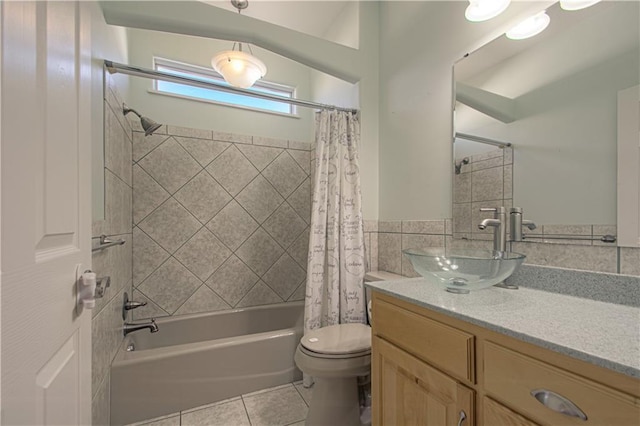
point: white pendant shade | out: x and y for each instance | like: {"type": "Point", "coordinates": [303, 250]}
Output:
{"type": "Point", "coordinates": [483, 10]}
{"type": "Point", "coordinates": [530, 27]}
{"type": "Point", "coordinates": [577, 4]}
{"type": "Point", "coordinates": [238, 68]}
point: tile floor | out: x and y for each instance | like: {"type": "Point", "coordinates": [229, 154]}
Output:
{"type": "Point", "coordinates": [278, 406]}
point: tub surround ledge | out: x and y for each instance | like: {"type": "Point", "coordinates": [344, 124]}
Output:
{"type": "Point", "coordinates": [601, 333]}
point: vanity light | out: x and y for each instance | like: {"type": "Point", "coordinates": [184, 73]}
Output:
{"type": "Point", "coordinates": [530, 27]}
{"type": "Point", "coordinates": [483, 10]}
{"type": "Point", "coordinates": [577, 4]}
{"type": "Point", "coordinates": [238, 68]}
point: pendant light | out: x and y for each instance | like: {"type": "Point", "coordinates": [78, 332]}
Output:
{"type": "Point", "coordinates": [483, 10]}
{"type": "Point", "coordinates": [239, 68]}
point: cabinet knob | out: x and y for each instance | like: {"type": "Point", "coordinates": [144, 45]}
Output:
{"type": "Point", "coordinates": [558, 403]}
{"type": "Point", "coordinates": [463, 417]}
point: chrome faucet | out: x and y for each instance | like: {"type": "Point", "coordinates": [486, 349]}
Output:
{"type": "Point", "coordinates": [131, 327]}
{"type": "Point", "coordinates": [499, 223]}
{"type": "Point", "coordinates": [517, 223]}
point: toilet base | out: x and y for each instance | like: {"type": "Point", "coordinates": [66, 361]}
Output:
{"type": "Point", "coordinates": [334, 402]}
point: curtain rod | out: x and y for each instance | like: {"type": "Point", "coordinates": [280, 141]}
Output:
{"type": "Point", "coordinates": [114, 67]}
{"type": "Point", "coordinates": [483, 140]}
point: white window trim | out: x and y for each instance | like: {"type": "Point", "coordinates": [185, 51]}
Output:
{"type": "Point", "coordinates": [213, 74]}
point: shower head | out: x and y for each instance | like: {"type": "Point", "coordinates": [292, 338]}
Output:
{"type": "Point", "coordinates": [458, 166]}
{"type": "Point", "coordinates": [148, 125]}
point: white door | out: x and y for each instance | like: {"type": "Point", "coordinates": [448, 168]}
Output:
{"type": "Point", "coordinates": [45, 211]}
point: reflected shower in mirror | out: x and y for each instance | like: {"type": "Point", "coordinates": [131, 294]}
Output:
{"type": "Point", "coordinates": [554, 98]}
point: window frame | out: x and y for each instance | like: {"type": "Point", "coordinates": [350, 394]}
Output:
{"type": "Point", "coordinates": [208, 73]}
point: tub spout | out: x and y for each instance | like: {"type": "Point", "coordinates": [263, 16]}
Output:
{"type": "Point", "coordinates": [131, 327]}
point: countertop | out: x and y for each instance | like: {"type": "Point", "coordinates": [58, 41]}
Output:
{"type": "Point", "coordinates": [601, 333]}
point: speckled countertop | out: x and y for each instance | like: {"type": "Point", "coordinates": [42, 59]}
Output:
{"type": "Point", "coordinates": [601, 333]}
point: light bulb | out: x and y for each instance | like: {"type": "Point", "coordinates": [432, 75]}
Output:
{"type": "Point", "coordinates": [530, 27]}
{"type": "Point", "coordinates": [483, 10]}
{"type": "Point", "coordinates": [577, 4]}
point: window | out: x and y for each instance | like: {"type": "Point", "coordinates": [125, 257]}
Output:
{"type": "Point", "coordinates": [218, 96]}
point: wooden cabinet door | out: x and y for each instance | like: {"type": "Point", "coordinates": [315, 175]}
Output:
{"type": "Point", "coordinates": [407, 392]}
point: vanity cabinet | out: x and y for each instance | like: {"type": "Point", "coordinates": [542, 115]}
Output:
{"type": "Point", "coordinates": [429, 368]}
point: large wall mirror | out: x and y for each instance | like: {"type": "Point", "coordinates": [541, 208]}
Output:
{"type": "Point", "coordinates": [554, 98]}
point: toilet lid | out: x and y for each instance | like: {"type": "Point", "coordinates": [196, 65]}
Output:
{"type": "Point", "coordinates": [338, 339]}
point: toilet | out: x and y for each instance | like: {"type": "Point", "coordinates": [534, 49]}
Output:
{"type": "Point", "coordinates": [336, 356]}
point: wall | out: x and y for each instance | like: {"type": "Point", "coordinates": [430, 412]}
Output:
{"type": "Point", "coordinates": [221, 220]}
{"type": "Point", "coordinates": [144, 45]}
{"type": "Point", "coordinates": [111, 169]}
{"type": "Point", "coordinates": [115, 262]}
{"type": "Point", "coordinates": [357, 26]}
{"type": "Point", "coordinates": [419, 42]}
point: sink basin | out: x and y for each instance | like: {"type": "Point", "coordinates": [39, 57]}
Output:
{"type": "Point", "coordinates": [462, 270]}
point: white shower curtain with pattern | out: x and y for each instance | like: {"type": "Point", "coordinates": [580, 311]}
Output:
{"type": "Point", "coordinates": [336, 264]}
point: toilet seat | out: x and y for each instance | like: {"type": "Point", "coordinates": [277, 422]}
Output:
{"type": "Point", "coordinates": [338, 341]}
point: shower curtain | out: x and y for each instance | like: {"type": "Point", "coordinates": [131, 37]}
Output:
{"type": "Point", "coordinates": [335, 270]}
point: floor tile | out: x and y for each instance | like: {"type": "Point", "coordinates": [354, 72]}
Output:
{"type": "Point", "coordinates": [224, 414]}
{"type": "Point", "coordinates": [279, 407]}
{"type": "Point", "coordinates": [169, 420]}
{"type": "Point", "coordinates": [304, 392]}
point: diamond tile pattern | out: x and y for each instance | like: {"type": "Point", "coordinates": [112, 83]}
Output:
{"type": "Point", "coordinates": [232, 170]}
{"type": "Point", "coordinates": [260, 294]}
{"type": "Point", "coordinates": [170, 225]}
{"type": "Point", "coordinates": [203, 254]}
{"type": "Point", "coordinates": [259, 199]}
{"type": "Point", "coordinates": [232, 225]}
{"type": "Point", "coordinates": [284, 174]}
{"type": "Point", "coordinates": [142, 145]}
{"type": "Point", "coordinates": [284, 225]}
{"type": "Point", "coordinates": [203, 150]}
{"type": "Point", "coordinates": [170, 285]}
{"type": "Point", "coordinates": [259, 252]}
{"type": "Point", "coordinates": [147, 256]}
{"type": "Point", "coordinates": [260, 156]}
{"type": "Point", "coordinates": [284, 276]}
{"type": "Point", "coordinates": [232, 280]}
{"type": "Point", "coordinates": [213, 228]}
{"type": "Point", "coordinates": [300, 200]}
{"type": "Point", "coordinates": [147, 194]}
{"type": "Point", "coordinates": [203, 197]}
{"type": "Point", "coordinates": [203, 300]}
{"type": "Point", "coordinates": [170, 165]}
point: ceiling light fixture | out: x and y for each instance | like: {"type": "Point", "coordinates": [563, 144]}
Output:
{"type": "Point", "coordinates": [238, 68]}
{"type": "Point", "coordinates": [530, 27]}
{"type": "Point", "coordinates": [577, 4]}
{"type": "Point", "coordinates": [483, 10]}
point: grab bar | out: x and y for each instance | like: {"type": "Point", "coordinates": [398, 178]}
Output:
{"type": "Point", "coordinates": [604, 238]}
{"type": "Point", "coordinates": [106, 242]}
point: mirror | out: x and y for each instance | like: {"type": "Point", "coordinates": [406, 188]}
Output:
{"type": "Point", "coordinates": [554, 98]}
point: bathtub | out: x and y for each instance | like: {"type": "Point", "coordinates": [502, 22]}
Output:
{"type": "Point", "coordinates": [203, 358]}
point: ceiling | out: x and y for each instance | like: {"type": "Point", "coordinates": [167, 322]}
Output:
{"type": "Point", "coordinates": [312, 17]}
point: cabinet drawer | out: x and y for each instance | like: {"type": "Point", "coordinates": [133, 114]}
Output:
{"type": "Point", "coordinates": [495, 414]}
{"type": "Point", "coordinates": [445, 347]}
{"type": "Point", "coordinates": [511, 377]}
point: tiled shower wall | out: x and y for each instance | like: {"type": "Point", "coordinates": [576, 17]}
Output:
{"type": "Point", "coordinates": [220, 220]}
{"type": "Point", "coordinates": [106, 325]}
{"type": "Point", "coordinates": [486, 181]}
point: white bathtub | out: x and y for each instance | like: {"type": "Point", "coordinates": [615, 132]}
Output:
{"type": "Point", "coordinates": [198, 359]}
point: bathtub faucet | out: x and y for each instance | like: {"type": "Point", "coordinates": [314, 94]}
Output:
{"type": "Point", "coordinates": [131, 327]}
